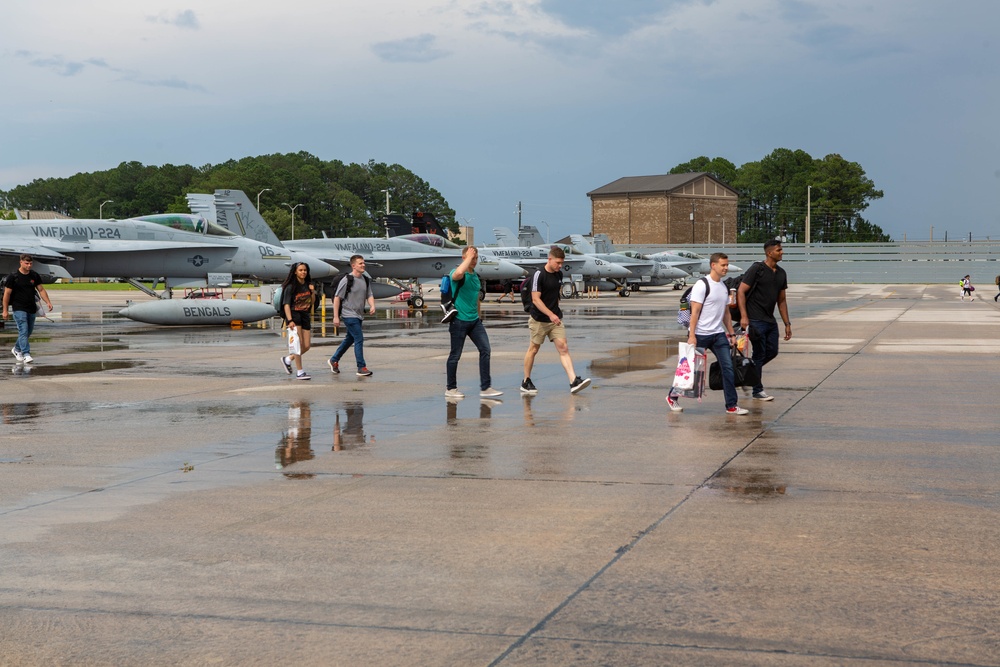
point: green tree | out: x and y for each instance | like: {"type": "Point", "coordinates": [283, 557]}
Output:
{"type": "Point", "coordinates": [774, 191]}
{"type": "Point", "coordinates": [719, 167]}
{"type": "Point", "coordinates": [337, 198]}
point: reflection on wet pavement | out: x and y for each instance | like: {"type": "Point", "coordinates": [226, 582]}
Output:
{"type": "Point", "coordinates": [14, 413]}
{"type": "Point", "coordinates": [34, 370]}
{"type": "Point", "coordinates": [642, 356]}
{"type": "Point", "coordinates": [352, 433]}
{"type": "Point", "coordinates": [296, 443]}
{"type": "Point", "coordinates": [752, 475]}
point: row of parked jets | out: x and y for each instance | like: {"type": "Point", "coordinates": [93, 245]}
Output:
{"type": "Point", "coordinates": [224, 237]}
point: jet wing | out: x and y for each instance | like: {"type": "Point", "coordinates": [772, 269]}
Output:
{"type": "Point", "coordinates": [102, 245]}
{"type": "Point", "coordinates": [17, 247]}
{"type": "Point", "coordinates": [532, 263]}
{"type": "Point", "coordinates": [690, 267]}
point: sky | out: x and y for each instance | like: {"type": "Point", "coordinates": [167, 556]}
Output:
{"type": "Point", "coordinates": [495, 102]}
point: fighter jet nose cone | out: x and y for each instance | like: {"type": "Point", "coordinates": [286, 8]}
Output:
{"type": "Point", "coordinates": [123, 312]}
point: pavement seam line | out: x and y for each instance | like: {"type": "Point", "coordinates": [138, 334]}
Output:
{"type": "Point", "coordinates": [621, 551]}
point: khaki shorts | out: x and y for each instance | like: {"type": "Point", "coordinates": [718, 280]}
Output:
{"type": "Point", "coordinates": [542, 330]}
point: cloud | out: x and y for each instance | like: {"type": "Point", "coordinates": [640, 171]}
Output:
{"type": "Point", "coordinates": [604, 18]}
{"type": "Point", "coordinates": [172, 82]}
{"type": "Point", "coordinates": [186, 20]}
{"type": "Point", "coordinates": [68, 68]}
{"type": "Point", "coordinates": [419, 49]}
{"type": "Point", "coordinates": [57, 64]}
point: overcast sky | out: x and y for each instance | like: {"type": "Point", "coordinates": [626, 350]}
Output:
{"type": "Point", "coordinates": [499, 101]}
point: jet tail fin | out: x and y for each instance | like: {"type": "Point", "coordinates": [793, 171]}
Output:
{"type": "Point", "coordinates": [602, 242]}
{"type": "Point", "coordinates": [235, 212]}
{"type": "Point", "coordinates": [581, 243]}
{"type": "Point", "coordinates": [530, 236]}
{"type": "Point", "coordinates": [504, 236]}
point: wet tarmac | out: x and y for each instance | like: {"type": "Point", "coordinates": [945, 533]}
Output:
{"type": "Point", "coordinates": [171, 496]}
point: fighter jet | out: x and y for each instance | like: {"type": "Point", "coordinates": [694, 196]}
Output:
{"type": "Point", "coordinates": [645, 271]}
{"type": "Point", "coordinates": [176, 247]}
{"type": "Point", "coordinates": [694, 262]}
{"type": "Point", "coordinates": [418, 257]}
{"type": "Point", "coordinates": [593, 269]}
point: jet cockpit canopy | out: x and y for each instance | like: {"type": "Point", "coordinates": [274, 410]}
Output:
{"type": "Point", "coordinates": [187, 223]}
{"type": "Point", "coordinates": [431, 240]}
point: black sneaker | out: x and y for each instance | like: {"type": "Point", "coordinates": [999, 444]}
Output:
{"type": "Point", "coordinates": [578, 385]}
{"type": "Point", "coordinates": [450, 313]}
{"type": "Point", "coordinates": [528, 387]}
{"type": "Point", "coordinates": [364, 372]}
{"type": "Point", "coordinates": [287, 364]}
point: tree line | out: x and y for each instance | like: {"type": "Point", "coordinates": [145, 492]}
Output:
{"type": "Point", "coordinates": [337, 198]}
{"type": "Point", "coordinates": [775, 190]}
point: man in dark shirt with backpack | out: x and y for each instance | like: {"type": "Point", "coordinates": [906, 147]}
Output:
{"type": "Point", "coordinates": [763, 288]}
{"type": "Point", "coordinates": [545, 321]}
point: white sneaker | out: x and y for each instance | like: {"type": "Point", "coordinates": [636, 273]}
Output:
{"type": "Point", "coordinates": [453, 393]}
{"type": "Point", "coordinates": [490, 392]}
{"type": "Point", "coordinates": [27, 358]}
{"type": "Point", "coordinates": [674, 405]}
{"type": "Point", "coordinates": [17, 354]}
{"type": "Point", "coordinates": [737, 411]}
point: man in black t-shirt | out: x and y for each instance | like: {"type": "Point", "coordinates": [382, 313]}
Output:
{"type": "Point", "coordinates": [763, 288]}
{"type": "Point", "coordinates": [545, 321]}
{"type": "Point", "coordinates": [19, 292]}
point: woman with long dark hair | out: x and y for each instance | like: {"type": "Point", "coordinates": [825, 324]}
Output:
{"type": "Point", "coordinates": [297, 298]}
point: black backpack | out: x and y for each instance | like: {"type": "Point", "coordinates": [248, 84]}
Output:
{"type": "Point", "coordinates": [526, 292]}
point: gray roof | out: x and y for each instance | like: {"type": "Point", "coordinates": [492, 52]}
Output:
{"type": "Point", "coordinates": [646, 184]}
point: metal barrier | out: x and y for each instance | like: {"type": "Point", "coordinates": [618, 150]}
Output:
{"type": "Point", "coordinates": [904, 263]}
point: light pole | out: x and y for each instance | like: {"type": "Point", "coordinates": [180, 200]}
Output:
{"type": "Point", "coordinates": [387, 191]}
{"type": "Point", "coordinates": [292, 209]}
{"type": "Point", "coordinates": [809, 192]}
{"type": "Point", "coordinates": [258, 197]}
{"type": "Point", "coordinates": [101, 208]}
{"type": "Point", "coordinates": [546, 230]}
{"type": "Point", "coordinates": [692, 223]}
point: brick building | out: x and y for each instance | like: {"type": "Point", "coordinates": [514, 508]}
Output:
{"type": "Point", "coordinates": [686, 209]}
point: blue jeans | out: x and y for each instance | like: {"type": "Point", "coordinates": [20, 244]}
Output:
{"type": "Point", "coordinates": [764, 338]}
{"type": "Point", "coordinates": [719, 345]}
{"type": "Point", "coordinates": [25, 325]}
{"type": "Point", "coordinates": [354, 337]}
{"type": "Point", "coordinates": [459, 331]}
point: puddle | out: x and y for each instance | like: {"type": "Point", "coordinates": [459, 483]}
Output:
{"type": "Point", "coordinates": [45, 370]}
{"type": "Point", "coordinates": [752, 475]}
{"type": "Point", "coordinates": [486, 408]}
{"type": "Point", "coordinates": [643, 356]}
{"type": "Point", "coordinates": [296, 444]}
{"type": "Point", "coordinates": [753, 483]}
{"type": "Point", "coordinates": [15, 413]}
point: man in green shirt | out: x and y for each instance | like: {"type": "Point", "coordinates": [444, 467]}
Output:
{"type": "Point", "coordinates": [467, 324]}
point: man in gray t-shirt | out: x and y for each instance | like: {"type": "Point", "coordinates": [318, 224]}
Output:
{"type": "Point", "coordinates": [352, 301]}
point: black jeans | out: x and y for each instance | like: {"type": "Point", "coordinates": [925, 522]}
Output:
{"type": "Point", "coordinates": [764, 338]}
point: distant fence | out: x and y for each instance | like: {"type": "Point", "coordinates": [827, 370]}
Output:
{"type": "Point", "coordinates": [914, 262]}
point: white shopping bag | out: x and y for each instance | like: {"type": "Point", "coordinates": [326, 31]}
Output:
{"type": "Point", "coordinates": [684, 375]}
{"type": "Point", "coordinates": [294, 347]}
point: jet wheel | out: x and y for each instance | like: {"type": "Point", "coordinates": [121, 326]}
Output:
{"type": "Point", "coordinates": [417, 302]}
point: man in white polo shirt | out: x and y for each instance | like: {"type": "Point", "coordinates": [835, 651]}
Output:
{"type": "Point", "coordinates": [712, 329]}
